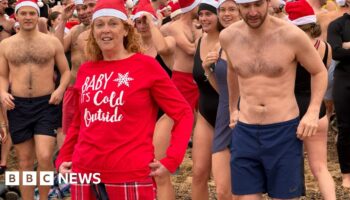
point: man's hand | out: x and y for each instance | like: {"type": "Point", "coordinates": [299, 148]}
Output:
{"type": "Point", "coordinates": [308, 125]}
{"type": "Point", "coordinates": [157, 169]}
{"type": "Point", "coordinates": [234, 116]}
{"type": "Point", "coordinates": [65, 167]}
{"type": "Point", "coordinates": [56, 97]}
{"type": "Point", "coordinates": [7, 101]}
{"type": "Point", "coordinates": [68, 11]}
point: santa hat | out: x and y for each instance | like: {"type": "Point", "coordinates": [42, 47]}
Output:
{"type": "Point", "coordinates": [110, 8]}
{"type": "Point", "coordinates": [300, 12]}
{"type": "Point", "coordinates": [31, 3]}
{"type": "Point", "coordinates": [175, 9]}
{"type": "Point", "coordinates": [78, 2]}
{"type": "Point", "coordinates": [188, 5]}
{"type": "Point", "coordinates": [143, 7]}
{"type": "Point", "coordinates": [70, 25]}
{"type": "Point", "coordinates": [245, 1]}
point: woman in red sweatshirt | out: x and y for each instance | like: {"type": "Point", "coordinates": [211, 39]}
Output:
{"type": "Point", "coordinates": [119, 92]}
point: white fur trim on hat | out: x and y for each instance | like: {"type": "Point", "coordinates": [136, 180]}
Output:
{"type": "Point", "coordinates": [175, 13]}
{"type": "Point", "coordinates": [139, 14]}
{"type": "Point", "coordinates": [27, 3]}
{"type": "Point", "coordinates": [245, 1]}
{"type": "Point", "coordinates": [341, 2]}
{"type": "Point", "coordinates": [78, 2]}
{"type": "Point", "coordinates": [305, 20]}
{"type": "Point", "coordinates": [110, 13]}
{"type": "Point", "coordinates": [189, 8]}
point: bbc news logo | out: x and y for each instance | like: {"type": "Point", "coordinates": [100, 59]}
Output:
{"type": "Point", "coordinates": [46, 178]}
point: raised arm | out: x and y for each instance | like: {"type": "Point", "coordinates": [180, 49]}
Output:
{"type": "Point", "coordinates": [59, 33]}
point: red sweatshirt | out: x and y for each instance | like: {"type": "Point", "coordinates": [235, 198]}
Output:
{"type": "Point", "coordinates": [113, 127]}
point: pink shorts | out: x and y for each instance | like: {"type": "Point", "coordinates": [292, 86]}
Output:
{"type": "Point", "coordinates": [141, 190]}
{"type": "Point", "coordinates": [70, 105]}
{"type": "Point", "coordinates": [187, 86]}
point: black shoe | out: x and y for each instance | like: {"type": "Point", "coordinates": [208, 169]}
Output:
{"type": "Point", "coordinates": [2, 169]}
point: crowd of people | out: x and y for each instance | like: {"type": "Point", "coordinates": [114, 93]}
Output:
{"type": "Point", "coordinates": [122, 88]}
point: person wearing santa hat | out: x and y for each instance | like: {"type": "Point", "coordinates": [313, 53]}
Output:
{"type": "Point", "coordinates": [161, 48]}
{"type": "Point", "coordinates": [70, 44]}
{"type": "Point", "coordinates": [262, 53]}
{"type": "Point", "coordinates": [227, 14]}
{"type": "Point", "coordinates": [206, 54]}
{"type": "Point", "coordinates": [119, 91]}
{"type": "Point", "coordinates": [302, 14]}
{"type": "Point", "coordinates": [32, 103]}
{"type": "Point", "coordinates": [6, 24]}
{"type": "Point", "coordinates": [338, 37]}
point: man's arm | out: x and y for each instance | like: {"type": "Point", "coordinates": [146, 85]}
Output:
{"type": "Point", "coordinates": [62, 64]}
{"type": "Point", "coordinates": [6, 98]}
{"type": "Point", "coordinates": [232, 80]}
{"type": "Point", "coordinates": [59, 33]}
{"type": "Point", "coordinates": [182, 41]}
{"type": "Point", "coordinates": [308, 56]}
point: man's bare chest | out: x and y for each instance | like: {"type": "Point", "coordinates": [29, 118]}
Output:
{"type": "Point", "coordinates": [36, 53]}
{"type": "Point", "coordinates": [272, 60]}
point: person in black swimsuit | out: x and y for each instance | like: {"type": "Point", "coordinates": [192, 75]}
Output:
{"type": "Point", "coordinates": [208, 98]}
{"type": "Point", "coordinates": [316, 146]}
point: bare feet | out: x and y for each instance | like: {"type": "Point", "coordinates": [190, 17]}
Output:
{"type": "Point", "coordinates": [346, 180]}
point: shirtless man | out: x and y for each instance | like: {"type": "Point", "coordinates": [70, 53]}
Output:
{"type": "Point", "coordinates": [185, 35]}
{"type": "Point", "coordinates": [28, 59]}
{"type": "Point", "coordinates": [6, 25]}
{"type": "Point", "coordinates": [262, 53]}
{"type": "Point", "coordinates": [70, 43]}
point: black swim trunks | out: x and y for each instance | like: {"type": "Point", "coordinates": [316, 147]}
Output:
{"type": "Point", "coordinates": [32, 116]}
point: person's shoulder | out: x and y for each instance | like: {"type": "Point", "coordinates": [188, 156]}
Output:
{"type": "Point", "coordinates": [49, 37]}
{"type": "Point", "coordinates": [9, 40]}
{"type": "Point", "coordinates": [232, 30]}
{"type": "Point", "coordinates": [284, 28]}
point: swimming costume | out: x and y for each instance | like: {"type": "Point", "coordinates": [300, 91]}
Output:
{"type": "Point", "coordinates": [208, 97]}
{"type": "Point", "coordinates": [222, 133]}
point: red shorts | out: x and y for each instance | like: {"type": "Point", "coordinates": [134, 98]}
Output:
{"type": "Point", "coordinates": [70, 104]}
{"type": "Point", "coordinates": [187, 86]}
{"type": "Point", "coordinates": [141, 190]}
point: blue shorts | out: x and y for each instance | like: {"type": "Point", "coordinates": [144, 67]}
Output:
{"type": "Point", "coordinates": [267, 159]}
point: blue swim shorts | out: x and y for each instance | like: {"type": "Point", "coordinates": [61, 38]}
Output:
{"type": "Point", "coordinates": [267, 159]}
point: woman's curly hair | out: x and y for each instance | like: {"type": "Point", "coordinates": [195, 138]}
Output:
{"type": "Point", "coordinates": [131, 43]}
